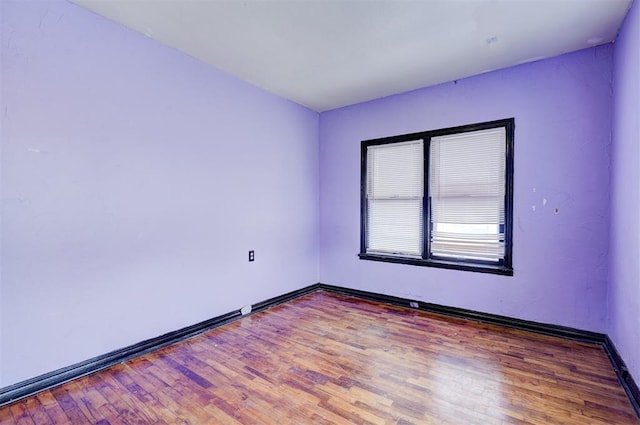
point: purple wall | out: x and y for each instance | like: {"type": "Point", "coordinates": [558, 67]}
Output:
{"type": "Point", "coordinates": [624, 286]}
{"type": "Point", "coordinates": [2, 95]}
{"type": "Point", "coordinates": [135, 179]}
{"type": "Point", "coordinates": [562, 108]}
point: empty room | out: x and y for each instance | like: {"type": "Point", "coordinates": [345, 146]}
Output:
{"type": "Point", "coordinates": [320, 212]}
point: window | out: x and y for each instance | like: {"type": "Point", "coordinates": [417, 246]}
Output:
{"type": "Point", "coordinates": [441, 198]}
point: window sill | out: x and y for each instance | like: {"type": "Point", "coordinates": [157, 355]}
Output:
{"type": "Point", "coordinates": [454, 265]}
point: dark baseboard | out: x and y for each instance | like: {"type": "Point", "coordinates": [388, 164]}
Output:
{"type": "Point", "coordinates": [272, 302]}
{"type": "Point", "coordinates": [629, 385]}
{"type": "Point", "coordinates": [40, 383]}
{"type": "Point", "coordinates": [48, 380]}
{"type": "Point", "coordinates": [494, 319]}
{"type": "Point", "coordinates": [625, 378]}
{"type": "Point", "coordinates": [32, 386]}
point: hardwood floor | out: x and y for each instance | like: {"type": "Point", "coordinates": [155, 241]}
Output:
{"type": "Point", "coordinates": [331, 359]}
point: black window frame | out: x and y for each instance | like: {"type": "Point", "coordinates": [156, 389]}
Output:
{"type": "Point", "coordinates": [505, 266]}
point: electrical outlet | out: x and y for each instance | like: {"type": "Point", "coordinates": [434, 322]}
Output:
{"type": "Point", "coordinates": [252, 255]}
{"type": "Point", "coordinates": [413, 304]}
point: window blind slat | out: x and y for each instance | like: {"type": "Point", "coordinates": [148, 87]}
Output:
{"type": "Point", "coordinates": [395, 190]}
{"type": "Point", "coordinates": [395, 170]}
{"type": "Point", "coordinates": [395, 226]}
{"type": "Point", "coordinates": [467, 188]}
{"type": "Point", "coordinates": [468, 210]}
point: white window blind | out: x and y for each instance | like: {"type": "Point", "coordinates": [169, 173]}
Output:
{"type": "Point", "coordinates": [467, 193]}
{"type": "Point", "coordinates": [395, 187]}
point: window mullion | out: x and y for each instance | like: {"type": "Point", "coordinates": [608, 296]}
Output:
{"type": "Point", "coordinates": [426, 202]}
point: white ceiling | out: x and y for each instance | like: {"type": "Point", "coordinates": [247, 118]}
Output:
{"type": "Point", "coordinates": [325, 54]}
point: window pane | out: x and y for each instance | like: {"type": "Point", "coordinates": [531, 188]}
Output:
{"type": "Point", "coordinates": [467, 187]}
{"type": "Point", "coordinates": [395, 170]}
{"type": "Point", "coordinates": [395, 226]}
{"type": "Point", "coordinates": [467, 241]}
{"type": "Point", "coordinates": [395, 190]}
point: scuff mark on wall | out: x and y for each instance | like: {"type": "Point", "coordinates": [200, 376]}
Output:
{"type": "Point", "coordinates": [44, 15]}
{"type": "Point", "coordinates": [34, 150]}
{"type": "Point", "coordinates": [520, 224]}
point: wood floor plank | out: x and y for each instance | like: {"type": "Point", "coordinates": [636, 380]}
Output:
{"type": "Point", "coordinates": [331, 359]}
{"type": "Point", "coordinates": [20, 414]}
{"type": "Point", "coordinates": [53, 409]}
